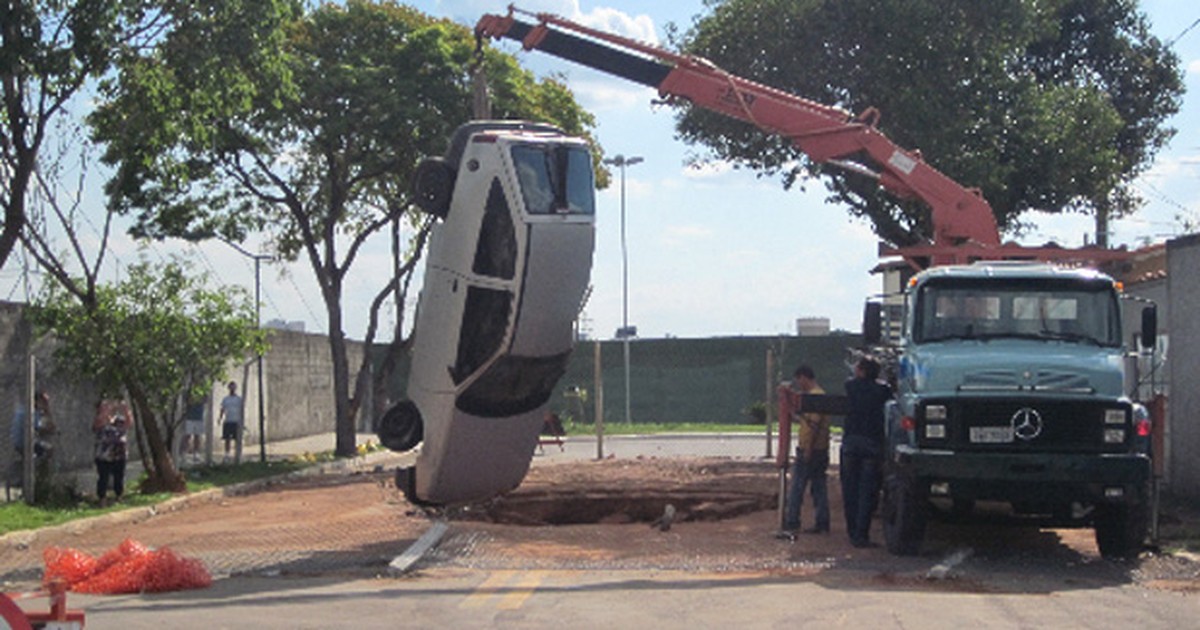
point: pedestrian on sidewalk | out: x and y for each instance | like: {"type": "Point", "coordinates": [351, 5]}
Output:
{"type": "Point", "coordinates": [111, 428]}
{"type": "Point", "coordinates": [232, 413]}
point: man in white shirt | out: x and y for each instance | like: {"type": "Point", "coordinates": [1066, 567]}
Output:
{"type": "Point", "coordinates": [232, 407]}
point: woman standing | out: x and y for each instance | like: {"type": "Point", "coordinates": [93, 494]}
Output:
{"type": "Point", "coordinates": [111, 427]}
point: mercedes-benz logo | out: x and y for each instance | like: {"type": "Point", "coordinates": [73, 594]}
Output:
{"type": "Point", "coordinates": [1027, 423]}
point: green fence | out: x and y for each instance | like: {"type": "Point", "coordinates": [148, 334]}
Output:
{"type": "Point", "coordinates": [695, 380]}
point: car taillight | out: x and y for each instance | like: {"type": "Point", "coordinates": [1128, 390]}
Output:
{"type": "Point", "coordinates": [908, 423]}
{"type": "Point", "coordinates": [1143, 428]}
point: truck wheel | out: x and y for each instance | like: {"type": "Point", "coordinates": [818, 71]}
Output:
{"type": "Point", "coordinates": [904, 516]}
{"type": "Point", "coordinates": [432, 186]}
{"type": "Point", "coordinates": [1121, 530]}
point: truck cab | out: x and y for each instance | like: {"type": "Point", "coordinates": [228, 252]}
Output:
{"type": "Point", "coordinates": [505, 276]}
{"type": "Point", "coordinates": [1010, 393]}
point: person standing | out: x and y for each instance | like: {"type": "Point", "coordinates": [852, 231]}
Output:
{"type": "Point", "coordinates": [43, 426]}
{"type": "Point", "coordinates": [232, 408]}
{"type": "Point", "coordinates": [111, 428]}
{"type": "Point", "coordinates": [193, 429]}
{"type": "Point", "coordinates": [811, 463]}
{"type": "Point", "coordinates": [862, 449]}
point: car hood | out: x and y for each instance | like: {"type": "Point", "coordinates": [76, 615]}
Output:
{"type": "Point", "coordinates": [1011, 366]}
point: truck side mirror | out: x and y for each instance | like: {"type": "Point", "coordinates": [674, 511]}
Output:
{"type": "Point", "coordinates": [1149, 326]}
{"type": "Point", "coordinates": [872, 326]}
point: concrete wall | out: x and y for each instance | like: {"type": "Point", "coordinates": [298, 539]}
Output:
{"type": "Point", "coordinates": [1183, 299]}
{"type": "Point", "coordinates": [298, 374]}
{"type": "Point", "coordinates": [72, 403]}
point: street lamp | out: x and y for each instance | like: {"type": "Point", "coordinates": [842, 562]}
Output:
{"type": "Point", "coordinates": [620, 161]}
{"type": "Point", "coordinates": [262, 425]}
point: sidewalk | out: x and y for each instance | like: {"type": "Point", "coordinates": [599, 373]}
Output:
{"type": "Point", "coordinates": [85, 479]}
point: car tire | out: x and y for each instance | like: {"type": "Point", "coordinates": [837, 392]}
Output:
{"type": "Point", "coordinates": [401, 428]}
{"type": "Point", "coordinates": [432, 186]}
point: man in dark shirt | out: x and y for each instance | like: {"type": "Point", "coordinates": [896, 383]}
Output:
{"type": "Point", "coordinates": [862, 449]}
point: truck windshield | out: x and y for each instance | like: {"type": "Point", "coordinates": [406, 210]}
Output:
{"type": "Point", "coordinates": [969, 308]}
{"type": "Point", "coordinates": [555, 179]}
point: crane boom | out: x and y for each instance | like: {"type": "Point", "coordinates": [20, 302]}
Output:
{"type": "Point", "coordinates": [824, 133]}
{"type": "Point", "coordinates": [964, 227]}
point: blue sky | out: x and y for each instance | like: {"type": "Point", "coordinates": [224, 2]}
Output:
{"type": "Point", "coordinates": [712, 251]}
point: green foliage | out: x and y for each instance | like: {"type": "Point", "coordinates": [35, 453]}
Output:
{"type": "Point", "coordinates": [257, 115]}
{"type": "Point", "coordinates": [1050, 106]}
{"type": "Point", "coordinates": [48, 52]}
{"type": "Point", "coordinates": [160, 329]}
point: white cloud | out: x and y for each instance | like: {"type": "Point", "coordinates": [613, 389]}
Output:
{"type": "Point", "coordinates": [608, 95]}
{"type": "Point", "coordinates": [639, 27]}
{"type": "Point", "coordinates": [1193, 66]}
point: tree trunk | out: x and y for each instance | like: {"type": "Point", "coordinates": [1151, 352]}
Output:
{"type": "Point", "coordinates": [344, 429]}
{"type": "Point", "coordinates": [161, 475]}
{"type": "Point", "coordinates": [1102, 225]}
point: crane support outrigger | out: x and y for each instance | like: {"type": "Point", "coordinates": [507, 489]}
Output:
{"type": "Point", "coordinates": [964, 227]}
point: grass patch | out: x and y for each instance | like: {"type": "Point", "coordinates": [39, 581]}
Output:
{"type": "Point", "coordinates": [16, 515]}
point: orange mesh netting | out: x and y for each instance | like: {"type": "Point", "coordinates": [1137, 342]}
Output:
{"type": "Point", "coordinates": [131, 567]}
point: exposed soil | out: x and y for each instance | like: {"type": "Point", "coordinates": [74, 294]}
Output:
{"type": "Point", "coordinates": [583, 514]}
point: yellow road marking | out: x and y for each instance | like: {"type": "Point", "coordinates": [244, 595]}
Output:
{"type": "Point", "coordinates": [485, 591]}
{"type": "Point", "coordinates": [524, 587]}
{"type": "Point", "coordinates": [512, 587]}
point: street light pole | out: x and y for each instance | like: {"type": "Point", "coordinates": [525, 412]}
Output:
{"type": "Point", "coordinates": [262, 423]}
{"type": "Point", "coordinates": [620, 161]}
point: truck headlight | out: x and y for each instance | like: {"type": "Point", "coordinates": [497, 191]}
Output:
{"type": "Point", "coordinates": [935, 412]}
{"type": "Point", "coordinates": [1114, 436]}
{"type": "Point", "coordinates": [935, 431]}
{"type": "Point", "coordinates": [1114, 416]}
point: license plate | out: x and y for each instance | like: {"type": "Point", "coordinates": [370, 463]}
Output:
{"type": "Point", "coordinates": [991, 435]}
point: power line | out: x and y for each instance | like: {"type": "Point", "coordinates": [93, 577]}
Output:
{"type": "Point", "coordinates": [1185, 32]}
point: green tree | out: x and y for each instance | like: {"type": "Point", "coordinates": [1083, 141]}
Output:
{"type": "Point", "coordinates": [1048, 106]}
{"type": "Point", "coordinates": [158, 334]}
{"type": "Point", "coordinates": [48, 52]}
{"type": "Point", "coordinates": [255, 115]}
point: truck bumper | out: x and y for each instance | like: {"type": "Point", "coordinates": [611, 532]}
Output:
{"type": "Point", "coordinates": [1034, 478]}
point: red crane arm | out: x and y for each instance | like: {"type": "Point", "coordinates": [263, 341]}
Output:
{"type": "Point", "coordinates": [826, 134]}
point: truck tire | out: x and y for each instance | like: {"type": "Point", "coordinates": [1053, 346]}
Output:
{"type": "Point", "coordinates": [1121, 530]}
{"type": "Point", "coordinates": [904, 516]}
{"type": "Point", "coordinates": [433, 185]}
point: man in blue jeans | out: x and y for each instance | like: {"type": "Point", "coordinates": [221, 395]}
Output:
{"type": "Point", "coordinates": [812, 454]}
{"type": "Point", "coordinates": [862, 449]}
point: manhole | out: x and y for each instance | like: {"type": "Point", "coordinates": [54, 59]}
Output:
{"type": "Point", "coordinates": [537, 508]}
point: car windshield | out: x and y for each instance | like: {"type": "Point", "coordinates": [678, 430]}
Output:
{"type": "Point", "coordinates": [555, 179]}
{"type": "Point", "coordinates": [1068, 310]}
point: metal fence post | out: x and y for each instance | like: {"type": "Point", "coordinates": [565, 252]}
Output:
{"type": "Point", "coordinates": [599, 401]}
{"type": "Point", "coordinates": [28, 456]}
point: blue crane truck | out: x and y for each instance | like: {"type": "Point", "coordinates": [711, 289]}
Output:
{"type": "Point", "coordinates": [1010, 400]}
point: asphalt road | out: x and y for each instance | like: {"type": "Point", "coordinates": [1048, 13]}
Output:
{"type": "Point", "coordinates": [862, 598]}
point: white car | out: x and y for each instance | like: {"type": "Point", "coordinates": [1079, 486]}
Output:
{"type": "Point", "coordinates": [506, 272]}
